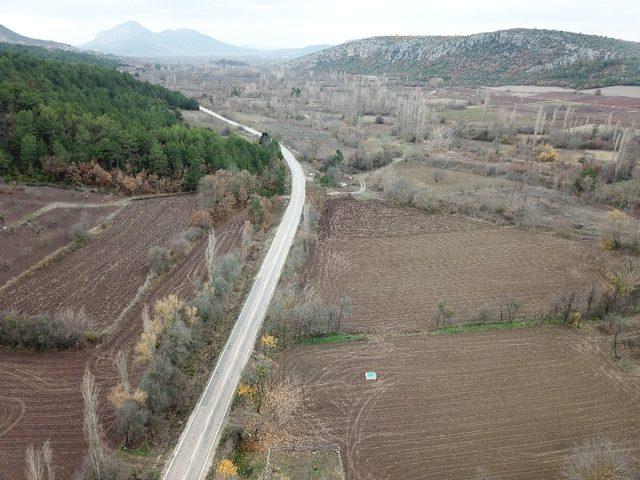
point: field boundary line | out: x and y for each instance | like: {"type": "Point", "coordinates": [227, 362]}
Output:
{"type": "Point", "coordinates": [150, 282]}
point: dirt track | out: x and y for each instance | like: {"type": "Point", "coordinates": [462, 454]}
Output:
{"type": "Point", "coordinates": [18, 201]}
{"type": "Point", "coordinates": [39, 394]}
{"type": "Point", "coordinates": [397, 263]}
{"type": "Point", "coordinates": [28, 243]}
{"type": "Point", "coordinates": [512, 402]}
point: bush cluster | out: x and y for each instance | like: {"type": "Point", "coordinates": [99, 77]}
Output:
{"type": "Point", "coordinates": [168, 351]}
{"type": "Point", "coordinates": [64, 329]}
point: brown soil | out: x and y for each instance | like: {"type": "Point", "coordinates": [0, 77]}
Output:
{"type": "Point", "coordinates": [396, 264]}
{"type": "Point", "coordinates": [40, 394]}
{"type": "Point", "coordinates": [16, 201]}
{"type": "Point", "coordinates": [511, 402]}
{"type": "Point", "coordinates": [27, 244]}
{"type": "Point", "coordinates": [602, 101]}
{"type": "Point", "coordinates": [104, 276]}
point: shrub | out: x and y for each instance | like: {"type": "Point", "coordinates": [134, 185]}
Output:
{"type": "Point", "coordinates": [401, 190]}
{"type": "Point", "coordinates": [180, 246]}
{"type": "Point", "coordinates": [159, 260]}
{"type": "Point", "coordinates": [165, 381]}
{"type": "Point", "coordinates": [226, 468]}
{"type": "Point", "coordinates": [379, 120]}
{"type": "Point", "coordinates": [373, 154]}
{"type": "Point", "coordinates": [599, 460]}
{"type": "Point", "coordinates": [443, 314]}
{"type": "Point", "coordinates": [201, 219]}
{"type": "Point", "coordinates": [620, 232]}
{"type": "Point", "coordinates": [132, 421]}
{"type": "Point", "coordinates": [65, 329]}
{"type": "Point", "coordinates": [224, 274]}
{"type": "Point", "coordinates": [624, 285]}
{"type": "Point", "coordinates": [548, 154]}
{"type": "Point", "coordinates": [226, 190]}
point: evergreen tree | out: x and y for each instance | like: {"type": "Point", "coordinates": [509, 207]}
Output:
{"type": "Point", "coordinates": [6, 163]}
{"type": "Point", "coordinates": [29, 153]}
{"type": "Point", "coordinates": [157, 159]}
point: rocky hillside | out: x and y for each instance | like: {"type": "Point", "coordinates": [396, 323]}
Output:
{"type": "Point", "coordinates": [518, 56]}
{"type": "Point", "coordinates": [9, 36]}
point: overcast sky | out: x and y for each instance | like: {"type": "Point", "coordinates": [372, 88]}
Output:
{"type": "Point", "coordinates": [296, 23]}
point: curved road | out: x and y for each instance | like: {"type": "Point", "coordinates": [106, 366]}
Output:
{"type": "Point", "coordinates": [193, 455]}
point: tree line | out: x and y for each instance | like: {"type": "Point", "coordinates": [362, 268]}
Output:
{"type": "Point", "coordinates": [72, 121]}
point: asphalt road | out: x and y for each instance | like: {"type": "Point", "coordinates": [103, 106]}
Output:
{"type": "Point", "coordinates": [193, 455]}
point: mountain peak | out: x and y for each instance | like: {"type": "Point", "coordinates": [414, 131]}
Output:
{"type": "Point", "coordinates": [134, 40]}
{"type": "Point", "coordinates": [128, 28]}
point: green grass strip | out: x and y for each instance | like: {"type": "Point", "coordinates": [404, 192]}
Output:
{"type": "Point", "coordinates": [332, 338]}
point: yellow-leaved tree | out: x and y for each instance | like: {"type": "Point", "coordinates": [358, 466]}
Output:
{"type": "Point", "coordinates": [227, 469]}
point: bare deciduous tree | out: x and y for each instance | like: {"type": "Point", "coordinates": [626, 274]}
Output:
{"type": "Point", "coordinates": [123, 371]}
{"type": "Point", "coordinates": [92, 428]}
{"type": "Point", "coordinates": [39, 463]}
{"type": "Point", "coordinates": [617, 324]}
{"type": "Point", "coordinates": [510, 308]}
{"type": "Point", "coordinates": [209, 254]}
{"type": "Point", "coordinates": [35, 467]}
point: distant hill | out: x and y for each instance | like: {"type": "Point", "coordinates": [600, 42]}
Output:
{"type": "Point", "coordinates": [9, 36]}
{"type": "Point", "coordinates": [134, 40]}
{"type": "Point", "coordinates": [294, 52]}
{"type": "Point", "coordinates": [518, 56]}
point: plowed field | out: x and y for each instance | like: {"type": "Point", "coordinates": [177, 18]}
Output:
{"type": "Point", "coordinates": [511, 402]}
{"type": "Point", "coordinates": [396, 264]}
{"type": "Point", "coordinates": [17, 201]}
{"type": "Point", "coordinates": [27, 244]}
{"type": "Point", "coordinates": [39, 394]}
{"type": "Point", "coordinates": [104, 276]}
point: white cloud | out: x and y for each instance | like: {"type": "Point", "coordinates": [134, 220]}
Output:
{"type": "Point", "coordinates": [279, 23]}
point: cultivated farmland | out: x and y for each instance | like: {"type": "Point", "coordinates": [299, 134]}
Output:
{"type": "Point", "coordinates": [41, 394]}
{"type": "Point", "coordinates": [24, 245]}
{"type": "Point", "coordinates": [17, 201]}
{"type": "Point", "coordinates": [396, 264]}
{"type": "Point", "coordinates": [104, 276]}
{"type": "Point", "coordinates": [508, 402]}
